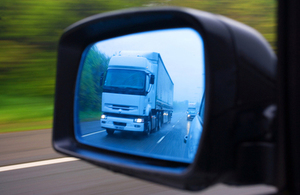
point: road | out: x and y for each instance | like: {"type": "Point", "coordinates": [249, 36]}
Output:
{"type": "Point", "coordinates": [165, 143]}
{"type": "Point", "coordinates": [76, 177]}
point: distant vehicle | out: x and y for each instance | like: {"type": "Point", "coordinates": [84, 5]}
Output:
{"type": "Point", "coordinates": [137, 93]}
{"type": "Point", "coordinates": [191, 111]}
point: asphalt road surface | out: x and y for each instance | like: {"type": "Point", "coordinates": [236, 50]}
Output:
{"type": "Point", "coordinates": [165, 143]}
{"type": "Point", "coordinates": [76, 176]}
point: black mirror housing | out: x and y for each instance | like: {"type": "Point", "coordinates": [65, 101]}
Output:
{"type": "Point", "coordinates": [240, 70]}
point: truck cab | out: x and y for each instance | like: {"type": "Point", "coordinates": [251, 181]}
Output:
{"type": "Point", "coordinates": [130, 99]}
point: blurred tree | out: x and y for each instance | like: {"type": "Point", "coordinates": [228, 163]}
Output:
{"type": "Point", "coordinates": [90, 90]}
{"type": "Point", "coordinates": [30, 31]}
{"type": "Point", "coordinates": [259, 14]}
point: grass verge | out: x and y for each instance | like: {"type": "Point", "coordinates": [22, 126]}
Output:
{"type": "Point", "coordinates": [85, 116]}
{"type": "Point", "coordinates": [25, 113]}
{"type": "Point", "coordinates": [25, 126]}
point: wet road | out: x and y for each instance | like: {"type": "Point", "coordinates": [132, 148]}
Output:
{"type": "Point", "coordinates": [165, 143]}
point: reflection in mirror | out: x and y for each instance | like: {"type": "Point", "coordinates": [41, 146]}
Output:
{"type": "Point", "coordinates": [141, 94]}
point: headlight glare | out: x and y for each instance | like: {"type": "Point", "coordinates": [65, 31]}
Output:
{"type": "Point", "coordinates": [139, 120]}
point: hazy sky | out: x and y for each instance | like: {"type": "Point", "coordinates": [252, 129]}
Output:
{"type": "Point", "coordinates": [181, 51]}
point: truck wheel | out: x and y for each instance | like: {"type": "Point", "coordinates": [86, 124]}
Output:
{"type": "Point", "coordinates": [110, 131]}
{"type": "Point", "coordinates": [147, 129]}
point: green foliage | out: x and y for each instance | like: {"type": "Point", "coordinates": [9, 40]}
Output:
{"type": "Point", "coordinates": [30, 31]}
{"type": "Point", "coordinates": [25, 113]}
{"type": "Point", "coordinates": [259, 14]}
{"type": "Point", "coordinates": [90, 90]}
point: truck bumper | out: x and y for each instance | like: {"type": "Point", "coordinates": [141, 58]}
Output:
{"type": "Point", "coordinates": [121, 124]}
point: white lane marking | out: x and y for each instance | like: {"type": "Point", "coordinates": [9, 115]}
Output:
{"type": "Point", "coordinates": [161, 139]}
{"type": "Point", "coordinates": [36, 164]}
{"type": "Point", "coordinates": [93, 133]}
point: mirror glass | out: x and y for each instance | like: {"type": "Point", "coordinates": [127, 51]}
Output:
{"type": "Point", "coordinates": [141, 94]}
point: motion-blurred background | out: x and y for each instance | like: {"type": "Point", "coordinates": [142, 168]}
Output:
{"type": "Point", "coordinates": [29, 35]}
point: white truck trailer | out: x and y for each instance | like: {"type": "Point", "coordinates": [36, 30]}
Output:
{"type": "Point", "coordinates": [137, 93]}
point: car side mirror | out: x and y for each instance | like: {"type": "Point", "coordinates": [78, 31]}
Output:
{"type": "Point", "coordinates": [233, 143]}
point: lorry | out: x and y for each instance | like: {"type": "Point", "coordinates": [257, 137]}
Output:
{"type": "Point", "coordinates": [191, 111]}
{"type": "Point", "coordinates": [137, 93]}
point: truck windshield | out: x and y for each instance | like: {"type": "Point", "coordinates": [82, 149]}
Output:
{"type": "Point", "coordinates": [125, 81]}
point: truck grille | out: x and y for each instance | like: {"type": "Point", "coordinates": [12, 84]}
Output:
{"type": "Point", "coordinates": [118, 107]}
{"type": "Point", "coordinates": [120, 124]}
{"type": "Point", "coordinates": [121, 107]}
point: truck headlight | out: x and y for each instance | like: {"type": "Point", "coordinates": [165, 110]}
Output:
{"type": "Point", "coordinates": [189, 115]}
{"type": "Point", "coordinates": [103, 116]}
{"type": "Point", "coordinates": [139, 120]}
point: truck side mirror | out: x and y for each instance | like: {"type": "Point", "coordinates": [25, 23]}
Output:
{"type": "Point", "coordinates": [152, 77]}
{"type": "Point", "coordinates": [101, 78]}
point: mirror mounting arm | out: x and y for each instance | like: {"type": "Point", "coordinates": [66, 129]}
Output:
{"type": "Point", "coordinates": [101, 78]}
{"type": "Point", "coordinates": [150, 88]}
